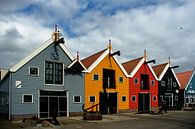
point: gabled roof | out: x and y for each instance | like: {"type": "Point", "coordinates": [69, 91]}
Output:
{"type": "Point", "coordinates": [184, 78]}
{"type": "Point", "coordinates": [87, 62]}
{"type": "Point", "coordinates": [134, 65]}
{"type": "Point", "coordinates": [37, 51]}
{"type": "Point", "coordinates": [76, 61]}
{"type": "Point", "coordinates": [130, 65]}
{"type": "Point", "coordinates": [160, 70]}
{"type": "Point", "coordinates": [92, 61]}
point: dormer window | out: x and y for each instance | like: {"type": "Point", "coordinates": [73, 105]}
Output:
{"type": "Point", "coordinates": [33, 71]}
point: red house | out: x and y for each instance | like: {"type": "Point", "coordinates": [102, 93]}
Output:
{"type": "Point", "coordinates": [143, 85]}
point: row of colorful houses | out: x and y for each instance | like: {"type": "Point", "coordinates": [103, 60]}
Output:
{"type": "Point", "coordinates": [51, 81]}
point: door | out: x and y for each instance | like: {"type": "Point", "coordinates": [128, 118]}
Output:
{"type": "Point", "coordinates": [169, 100]}
{"type": "Point", "coordinates": [143, 102]}
{"type": "Point", "coordinates": [53, 107]}
{"type": "Point", "coordinates": [108, 103]}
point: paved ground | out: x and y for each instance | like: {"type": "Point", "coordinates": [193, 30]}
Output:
{"type": "Point", "coordinates": [171, 120]}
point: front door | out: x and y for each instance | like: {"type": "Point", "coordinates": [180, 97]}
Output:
{"type": "Point", "coordinates": [108, 103]}
{"type": "Point", "coordinates": [143, 102]}
{"type": "Point", "coordinates": [169, 100]}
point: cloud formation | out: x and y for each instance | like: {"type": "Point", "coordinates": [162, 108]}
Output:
{"type": "Point", "coordinates": [164, 28]}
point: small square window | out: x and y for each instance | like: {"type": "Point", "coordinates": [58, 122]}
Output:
{"type": "Point", "coordinates": [76, 99]}
{"type": "Point", "coordinates": [174, 84]}
{"type": "Point", "coordinates": [92, 99]}
{"type": "Point", "coordinates": [96, 77]}
{"type": "Point", "coordinates": [152, 82]}
{"type": "Point", "coordinates": [154, 98]}
{"type": "Point", "coordinates": [27, 98]}
{"type": "Point", "coordinates": [120, 79]}
{"type": "Point", "coordinates": [135, 80]}
{"type": "Point", "coordinates": [133, 98]}
{"type": "Point", "coordinates": [34, 71]}
{"type": "Point", "coordinates": [124, 99]}
{"type": "Point", "coordinates": [162, 83]}
{"type": "Point", "coordinates": [176, 98]}
{"type": "Point", "coordinates": [161, 98]}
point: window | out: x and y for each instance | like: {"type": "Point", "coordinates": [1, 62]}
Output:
{"type": "Point", "coordinates": [154, 98]}
{"type": "Point", "coordinates": [27, 98]}
{"type": "Point", "coordinates": [135, 80]}
{"type": "Point", "coordinates": [190, 85]}
{"type": "Point", "coordinates": [53, 73]}
{"type": "Point", "coordinates": [76, 99]}
{"type": "Point", "coordinates": [161, 98]}
{"type": "Point", "coordinates": [192, 100]}
{"type": "Point", "coordinates": [2, 101]}
{"type": "Point", "coordinates": [174, 84]}
{"type": "Point", "coordinates": [133, 98]}
{"type": "Point", "coordinates": [109, 80]}
{"type": "Point", "coordinates": [120, 79]}
{"type": "Point", "coordinates": [144, 82]}
{"type": "Point", "coordinates": [96, 77]}
{"type": "Point", "coordinates": [176, 98]}
{"type": "Point", "coordinates": [124, 99]}
{"type": "Point", "coordinates": [92, 99]}
{"type": "Point", "coordinates": [162, 83]}
{"type": "Point", "coordinates": [169, 83]}
{"type": "Point", "coordinates": [187, 100]}
{"type": "Point", "coordinates": [152, 82]}
{"type": "Point", "coordinates": [18, 84]}
{"type": "Point", "coordinates": [33, 71]}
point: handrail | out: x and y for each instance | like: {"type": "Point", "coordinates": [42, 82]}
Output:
{"type": "Point", "coordinates": [86, 110]}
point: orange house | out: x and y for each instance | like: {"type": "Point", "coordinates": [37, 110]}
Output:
{"type": "Point", "coordinates": [106, 82]}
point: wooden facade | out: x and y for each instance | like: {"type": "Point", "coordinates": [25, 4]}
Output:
{"type": "Point", "coordinates": [143, 85]}
{"type": "Point", "coordinates": [105, 83]}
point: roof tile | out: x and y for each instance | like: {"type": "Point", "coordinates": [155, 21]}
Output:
{"type": "Point", "coordinates": [184, 78]}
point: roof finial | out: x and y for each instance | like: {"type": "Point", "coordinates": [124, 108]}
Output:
{"type": "Point", "coordinates": [77, 56]}
{"type": "Point", "coordinates": [145, 55]}
{"type": "Point", "coordinates": [110, 45]}
{"type": "Point", "coordinates": [56, 33]}
{"type": "Point", "coordinates": [169, 61]}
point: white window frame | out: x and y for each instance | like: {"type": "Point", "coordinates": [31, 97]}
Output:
{"type": "Point", "coordinates": [152, 82]}
{"type": "Point", "coordinates": [132, 98]}
{"type": "Point", "coordinates": [174, 84]}
{"type": "Point", "coordinates": [125, 98]}
{"type": "Point", "coordinates": [33, 74]}
{"type": "Point", "coordinates": [90, 98]}
{"type": "Point", "coordinates": [193, 97]}
{"type": "Point", "coordinates": [137, 80]}
{"type": "Point", "coordinates": [23, 98]}
{"type": "Point", "coordinates": [97, 75]}
{"type": "Point", "coordinates": [77, 96]}
{"type": "Point", "coordinates": [154, 97]}
{"type": "Point", "coordinates": [162, 83]}
{"type": "Point", "coordinates": [188, 100]}
{"type": "Point", "coordinates": [176, 98]}
{"type": "Point", "coordinates": [119, 79]}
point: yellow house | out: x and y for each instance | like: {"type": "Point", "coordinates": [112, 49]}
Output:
{"type": "Point", "coordinates": [106, 82]}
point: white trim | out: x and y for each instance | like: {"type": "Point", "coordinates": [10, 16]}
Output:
{"type": "Point", "coordinates": [92, 96]}
{"type": "Point", "coordinates": [190, 80]}
{"type": "Point", "coordinates": [54, 74]}
{"type": "Point", "coordinates": [101, 58]}
{"type": "Point", "coordinates": [33, 74]}
{"type": "Point", "coordinates": [71, 64]}
{"type": "Point", "coordinates": [28, 95]}
{"type": "Point", "coordinates": [175, 77]}
{"type": "Point", "coordinates": [163, 72]}
{"type": "Point", "coordinates": [67, 99]}
{"type": "Point", "coordinates": [77, 96]}
{"type": "Point", "coordinates": [37, 51]}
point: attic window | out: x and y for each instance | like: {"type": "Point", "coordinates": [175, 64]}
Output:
{"type": "Point", "coordinates": [34, 71]}
{"type": "Point", "coordinates": [135, 80]}
{"type": "Point", "coordinates": [162, 83]}
{"type": "Point", "coordinates": [174, 84]}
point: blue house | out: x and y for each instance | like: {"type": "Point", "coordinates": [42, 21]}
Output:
{"type": "Point", "coordinates": [48, 82]}
{"type": "Point", "coordinates": [187, 89]}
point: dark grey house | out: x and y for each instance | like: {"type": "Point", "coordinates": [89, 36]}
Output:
{"type": "Point", "coordinates": [168, 86]}
{"type": "Point", "coordinates": [49, 81]}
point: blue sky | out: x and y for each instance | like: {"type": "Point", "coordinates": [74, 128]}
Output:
{"type": "Point", "coordinates": [165, 28]}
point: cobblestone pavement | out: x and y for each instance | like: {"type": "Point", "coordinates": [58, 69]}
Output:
{"type": "Point", "coordinates": [171, 120]}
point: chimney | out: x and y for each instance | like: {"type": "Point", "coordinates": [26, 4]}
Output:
{"type": "Point", "coordinates": [56, 33]}
{"type": "Point", "coordinates": [110, 46]}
